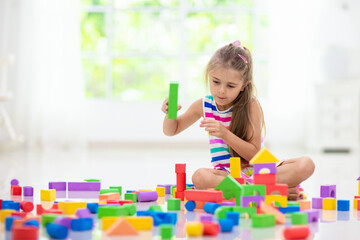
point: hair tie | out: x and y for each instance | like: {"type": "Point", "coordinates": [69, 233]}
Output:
{"type": "Point", "coordinates": [238, 44]}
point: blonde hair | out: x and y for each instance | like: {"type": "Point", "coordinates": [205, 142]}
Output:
{"type": "Point", "coordinates": [229, 57]}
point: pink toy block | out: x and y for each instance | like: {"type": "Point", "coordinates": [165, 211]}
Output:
{"type": "Point", "coordinates": [269, 166]}
{"type": "Point", "coordinates": [204, 195]}
{"type": "Point", "coordinates": [281, 188]}
{"type": "Point", "coordinates": [180, 168]}
{"type": "Point", "coordinates": [328, 191]}
{"type": "Point", "coordinates": [265, 179]}
{"type": "Point", "coordinates": [317, 203]}
{"type": "Point", "coordinates": [245, 201]}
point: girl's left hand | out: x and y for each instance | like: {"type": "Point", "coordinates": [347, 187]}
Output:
{"type": "Point", "coordinates": [215, 128]}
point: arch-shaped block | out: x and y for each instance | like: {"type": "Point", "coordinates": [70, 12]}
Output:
{"type": "Point", "coordinates": [282, 200]}
{"type": "Point", "coordinates": [245, 201]}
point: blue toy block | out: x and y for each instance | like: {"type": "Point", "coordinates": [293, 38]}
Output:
{"type": "Point", "coordinates": [343, 205]}
{"type": "Point", "coordinates": [32, 223]}
{"type": "Point", "coordinates": [93, 207]}
{"type": "Point", "coordinates": [9, 222]}
{"type": "Point", "coordinates": [160, 217]}
{"type": "Point", "coordinates": [226, 225]}
{"type": "Point", "coordinates": [289, 209]}
{"type": "Point", "coordinates": [56, 231]}
{"type": "Point", "coordinates": [130, 191]}
{"type": "Point", "coordinates": [190, 206]}
{"type": "Point", "coordinates": [81, 224]}
{"type": "Point", "coordinates": [210, 207]}
{"type": "Point", "coordinates": [233, 216]}
{"type": "Point", "coordinates": [11, 205]}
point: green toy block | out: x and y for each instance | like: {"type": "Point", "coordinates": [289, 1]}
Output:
{"type": "Point", "coordinates": [263, 220]}
{"type": "Point", "coordinates": [220, 212]}
{"type": "Point", "coordinates": [48, 218]}
{"type": "Point", "coordinates": [155, 208]}
{"type": "Point", "coordinates": [251, 211]}
{"type": "Point", "coordinates": [131, 208]}
{"type": "Point", "coordinates": [251, 190]}
{"type": "Point", "coordinates": [92, 180]}
{"type": "Point", "coordinates": [299, 218]}
{"type": "Point", "coordinates": [173, 100]}
{"type": "Point", "coordinates": [119, 188]}
{"type": "Point", "coordinates": [230, 187]}
{"type": "Point", "coordinates": [166, 231]}
{"type": "Point", "coordinates": [131, 196]}
{"type": "Point", "coordinates": [292, 203]}
{"type": "Point", "coordinates": [113, 211]}
{"type": "Point", "coordinates": [102, 191]}
{"type": "Point", "coordinates": [174, 204]}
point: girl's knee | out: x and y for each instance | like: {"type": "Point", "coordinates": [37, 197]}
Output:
{"type": "Point", "coordinates": [198, 177]}
{"type": "Point", "coordinates": [307, 166]}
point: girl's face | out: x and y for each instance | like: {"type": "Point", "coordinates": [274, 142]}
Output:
{"type": "Point", "coordinates": [225, 86]}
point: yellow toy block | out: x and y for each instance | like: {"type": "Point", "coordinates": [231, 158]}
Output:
{"type": "Point", "coordinates": [263, 156]}
{"type": "Point", "coordinates": [304, 204]}
{"type": "Point", "coordinates": [142, 223]}
{"type": "Point", "coordinates": [70, 207]}
{"type": "Point", "coordinates": [48, 195]}
{"type": "Point", "coordinates": [160, 191]}
{"type": "Point", "coordinates": [194, 229]}
{"type": "Point", "coordinates": [235, 167]}
{"type": "Point", "coordinates": [355, 202]}
{"type": "Point", "coordinates": [4, 213]}
{"type": "Point", "coordinates": [174, 191]}
{"type": "Point", "coordinates": [282, 200]}
{"type": "Point", "coordinates": [106, 222]}
{"type": "Point", "coordinates": [359, 188]}
{"type": "Point", "coordinates": [329, 203]}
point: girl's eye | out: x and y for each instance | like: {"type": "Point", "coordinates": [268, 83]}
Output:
{"type": "Point", "coordinates": [215, 81]}
{"type": "Point", "coordinates": [230, 86]}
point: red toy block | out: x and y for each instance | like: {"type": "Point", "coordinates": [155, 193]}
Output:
{"type": "Point", "coordinates": [210, 228]}
{"type": "Point", "coordinates": [358, 204]}
{"type": "Point", "coordinates": [265, 179]}
{"type": "Point", "coordinates": [180, 182]}
{"type": "Point", "coordinates": [26, 206]}
{"type": "Point", "coordinates": [54, 209]}
{"type": "Point", "coordinates": [180, 195]}
{"type": "Point", "coordinates": [296, 232]}
{"type": "Point", "coordinates": [25, 233]}
{"type": "Point", "coordinates": [281, 188]}
{"type": "Point", "coordinates": [16, 190]}
{"type": "Point", "coordinates": [19, 214]}
{"type": "Point", "coordinates": [240, 180]}
{"type": "Point", "coordinates": [204, 195]}
{"type": "Point", "coordinates": [180, 168]}
{"type": "Point", "coordinates": [122, 202]}
{"type": "Point", "coordinates": [0, 204]}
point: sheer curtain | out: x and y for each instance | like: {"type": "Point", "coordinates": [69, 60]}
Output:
{"type": "Point", "coordinates": [49, 89]}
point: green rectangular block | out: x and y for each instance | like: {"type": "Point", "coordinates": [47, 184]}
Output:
{"type": "Point", "coordinates": [113, 211]}
{"type": "Point", "coordinates": [174, 204]}
{"type": "Point", "coordinates": [131, 196]}
{"type": "Point", "coordinates": [173, 100]}
{"type": "Point", "coordinates": [102, 191]}
{"type": "Point", "coordinates": [119, 188]}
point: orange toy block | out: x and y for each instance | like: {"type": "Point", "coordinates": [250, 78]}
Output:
{"type": "Point", "coordinates": [199, 204]}
{"type": "Point", "coordinates": [277, 188]}
{"type": "Point", "coordinates": [279, 217]}
{"type": "Point", "coordinates": [109, 196]}
{"type": "Point", "coordinates": [121, 227]}
{"type": "Point", "coordinates": [203, 195]}
{"type": "Point", "coordinates": [304, 204]}
{"type": "Point", "coordinates": [265, 179]}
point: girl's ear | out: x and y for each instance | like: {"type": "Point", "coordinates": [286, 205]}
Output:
{"type": "Point", "coordinates": [243, 87]}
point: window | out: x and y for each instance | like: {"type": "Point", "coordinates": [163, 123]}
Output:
{"type": "Point", "coordinates": [132, 49]}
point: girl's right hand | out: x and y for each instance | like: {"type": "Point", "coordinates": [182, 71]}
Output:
{"type": "Point", "coordinates": [164, 107]}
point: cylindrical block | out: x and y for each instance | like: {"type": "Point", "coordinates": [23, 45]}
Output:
{"type": "Point", "coordinates": [210, 207]}
{"type": "Point", "coordinates": [210, 228]}
{"type": "Point", "coordinates": [235, 167]}
{"type": "Point", "coordinates": [28, 191]}
{"type": "Point", "coordinates": [147, 196]}
{"type": "Point", "coordinates": [190, 206]}
{"type": "Point", "coordinates": [26, 206]}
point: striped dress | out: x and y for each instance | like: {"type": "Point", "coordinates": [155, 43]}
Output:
{"type": "Point", "coordinates": [220, 154]}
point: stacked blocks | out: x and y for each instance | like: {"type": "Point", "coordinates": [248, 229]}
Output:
{"type": "Point", "coordinates": [180, 170]}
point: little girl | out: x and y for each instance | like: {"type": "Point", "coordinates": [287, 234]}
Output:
{"type": "Point", "coordinates": [234, 120]}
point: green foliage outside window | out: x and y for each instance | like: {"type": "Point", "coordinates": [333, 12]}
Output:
{"type": "Point", "coordinates": [133, 50]}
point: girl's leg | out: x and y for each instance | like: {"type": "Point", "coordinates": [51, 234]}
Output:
{"type": "Point", "coordinates": [204, 178]}
{"type": "Point", "coordinates": [293, 172]}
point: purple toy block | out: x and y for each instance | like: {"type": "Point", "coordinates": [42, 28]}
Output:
{"type": "Point", "coordinates": [147, 196]}
{"type": "Point", "coordinates": [64, 221]}
{"type": "Point", "coordinates": [14, 182]}
{"type": "Point", "coordinates": [328, 191]}
{"type": "Point", "coordinates": [270, 166]}
{"type": "Point", "coordinates": [317, 203]}
{"type": "Point", "coordinates": [167, 187]}
{"type": "Point", "coordinates": [245, 201]}
{"type": "Point", "coordinates": [84, 186]}
{"type": "Point", "coordinates": [58, 186]}
{"type": "Point", "coordinates": [313, 215]}
{"type": "Point", "coordinates": [28, 191]}
{"type": "Point", "coordinates": [83, 213]}
{"type": "Point", "coordinates": [83, 194]}
{"type": "Point", "coordinates": [206, 218]}
{"type": "Point", "coordinates": [230, 204]}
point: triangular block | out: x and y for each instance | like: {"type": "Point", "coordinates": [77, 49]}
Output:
{"type": "Point", "coordinates": [263, 156]}
{"type": "Point", "coordinates": [121, 227]}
